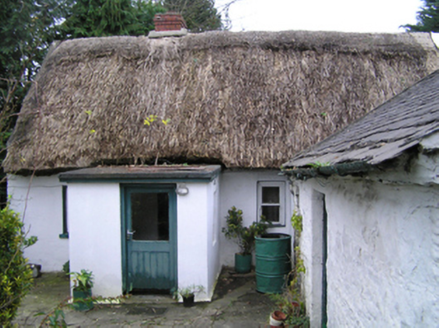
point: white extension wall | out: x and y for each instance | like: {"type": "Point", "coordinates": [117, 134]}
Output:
{"type": "Point", "coordinates": [239, 189]}
{"type": "Point", "coordinates": [383, 249]}
{"type": "Point", "coordinates": [42, 200]}
{"type": "Point", "coordinates": [94, 216]}
{"type": "Point", "coordinates": [198, 232]}
{"type": "Point", "coordinates": [95, 235]}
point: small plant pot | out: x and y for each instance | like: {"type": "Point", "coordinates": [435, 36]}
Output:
{"type": "Point", "coordinates": [36, 270]}
{"type": "Point", "coordinates": [277, 319]}
{"type": "Point", "coordinates": [189, 301]}
{"type": "Point", "coordinates": [243, 263]}
{"type": "Point", "coordinates": [82, 300]}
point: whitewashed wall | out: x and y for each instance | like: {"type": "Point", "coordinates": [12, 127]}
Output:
{"type": "Point", "coordinates": [383, 250]}
{"type": "Point", "coordinates": [94, 226]}
{"type": "Point", "coordinates": [95, 235]}
{"type": "Point", "coordinates": [198, 248]}
{"type": "Point", "coordinates": [239, 189]}
{"type": "Point", "coordinates": [94, 217]}
{"type": "Point", "coordinates": [43, 218]}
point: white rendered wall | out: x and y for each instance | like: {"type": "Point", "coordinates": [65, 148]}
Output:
{"type": "Point", "coordinates": [43, 218]}
{"type": "Point", "coordinates": [383, 252]}
{"type": "Point", "coordinates": [213, 234]}
{"type": "Point", "coordinates": [95, 234]}
{"type": "Point", "coordinates": [198, 249]}
{"type": "Point", "coordinates": [239, 189]}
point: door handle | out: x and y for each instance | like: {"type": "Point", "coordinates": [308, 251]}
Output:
{"type": "Point", "coordinates": [130, 234]}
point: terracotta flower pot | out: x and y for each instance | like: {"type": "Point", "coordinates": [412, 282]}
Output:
{"type": "Point", "coordinates": [277, 319]}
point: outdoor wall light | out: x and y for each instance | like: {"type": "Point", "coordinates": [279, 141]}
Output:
{"type": "Point", "coordinates": [182, 190]}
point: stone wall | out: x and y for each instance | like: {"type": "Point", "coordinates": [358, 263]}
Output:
{"type": "Point", "coordinates": [383, 250]}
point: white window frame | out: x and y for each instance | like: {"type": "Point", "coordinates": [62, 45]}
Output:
{"type": "Point", "coordinates": [282, 200]}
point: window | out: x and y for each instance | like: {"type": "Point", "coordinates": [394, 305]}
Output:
{"type": "Point", "coordinates": [271, 201]}
{"type": "Point", "coordinates": [65, 232]}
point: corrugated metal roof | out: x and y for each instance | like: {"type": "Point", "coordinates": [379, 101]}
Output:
{"type": "Point", "coordinates": [382, 134]}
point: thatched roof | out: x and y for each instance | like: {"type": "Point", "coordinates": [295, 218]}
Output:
{"type": "Point", "coordinates": [251, 99]}
{"type": "Point", "coordinates": [383, 134]}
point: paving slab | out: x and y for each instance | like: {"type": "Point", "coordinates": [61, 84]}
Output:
{"type": "Point", "coordinates": [235, 304]}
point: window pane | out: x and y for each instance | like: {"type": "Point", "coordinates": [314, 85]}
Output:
{"type": "Point", "coordinates": [150, 216]}
{"type": "Point", "coordinates": [270, 195]}
{"type": "Point", "coordinates": [271, 213]}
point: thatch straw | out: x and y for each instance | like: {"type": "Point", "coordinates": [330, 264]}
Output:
{"type": "Point", "coordinates": [243, 99]}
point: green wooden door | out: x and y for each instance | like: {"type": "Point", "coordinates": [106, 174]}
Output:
{"type": "Point", "coordinates": [150, 233]}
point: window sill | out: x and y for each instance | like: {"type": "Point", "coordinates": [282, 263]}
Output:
{"type": "Point", "coordinates": [280, 225]}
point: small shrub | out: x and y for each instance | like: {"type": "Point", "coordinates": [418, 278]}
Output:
{"type": "Point", "coordinates": [15, 275]}
{"type": "Point", "coordinates": [188, 291]}
{"type": "Point", "coordinates": [66, 268]}
{"type": "Point", "coordinates": [245, 236]}
{"type": "Point", "coordinates": [55, 319]}
{"type": "Point", "coordinates": [83, 281]}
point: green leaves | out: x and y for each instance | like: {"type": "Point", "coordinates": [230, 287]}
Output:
{"type": "Point", "coordinates": [152, 118]}
{"type": "Point", "coordinates": [296, 221]}
{"type": "Point", "coordinates": [15, 274]}
{"type": "Point", "coordinates": [98, 18]}
{"type": "Point", "coordinates": [83, 280]}
{"type": "Point", "coordinates": [200, 15]}
{"type": "Point", "coordinates": [27, 27]}
{"type": "Point", "coordinates": [428, 18]}
{"type": "Point", "coordinates": [244, 235]}
{"type": "Point", "coordinates": [149, 120]}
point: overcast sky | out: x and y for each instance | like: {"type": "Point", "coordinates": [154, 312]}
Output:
{"type": "Point", "coordinates": [322, 15]}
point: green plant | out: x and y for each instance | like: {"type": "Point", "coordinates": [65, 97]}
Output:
{"type": "Point", "coordinates": [245, 235]}
{"type": "Point", "coordinates": [148, 122]}
{"type": "Point", "coordinates": [82, 281]}
{"type": "Point", "coordinates": [290, 301]}
{"type": "Point", "coordinates": [298, 321]}
{"type": "Point", "coordinates": [296, 222]}
{"type": "Point", "coordinates": [56, 318]}
{"type": "Point", "coordinates": [66, 268]}
{"type": "Point", "coordinates": [300, 267]}
{"type": "Point", "coordinates": [188, 291]}
{"type": "Point", "coordinates": [15, 275]}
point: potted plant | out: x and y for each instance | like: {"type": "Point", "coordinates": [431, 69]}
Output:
{"type": "Point", "coordinates": [82, 284]}
{"type": "Point", "coordinates": [290, 308]}
{"type": "Point", "coordinates": [245, 237]}
{"type": "Point", "coordinates": [188, 294]}
{"type": "Point", "coordinates": [277, 319]}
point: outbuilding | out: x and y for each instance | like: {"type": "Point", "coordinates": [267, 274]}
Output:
{"type": "Point", "coordinates": [369, 198]}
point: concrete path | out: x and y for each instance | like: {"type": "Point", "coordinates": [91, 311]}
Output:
{"type": "Point", "coordinates": [236, 304]}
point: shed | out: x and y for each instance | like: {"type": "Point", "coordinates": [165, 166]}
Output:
{"type": "Point", "coordinates": [369, 200]}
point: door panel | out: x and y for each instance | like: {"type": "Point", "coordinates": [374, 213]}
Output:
{"type": "Point", "coordinates": [150, 222]}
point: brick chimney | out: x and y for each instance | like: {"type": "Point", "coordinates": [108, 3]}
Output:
{"type": "Point", "coordinates": [168, 24]}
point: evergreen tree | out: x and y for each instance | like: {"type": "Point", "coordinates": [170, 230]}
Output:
{"type": "Point", "coordinates": [200, 15]}
{"type": "Point", "coordinates": [26, 31]}
{"type": "Point", "coordinates": [96, 18]}
{"type": "Point", "coordinates": [27, 28]}
{"type": "Point", "coordinates": [428, 18]}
